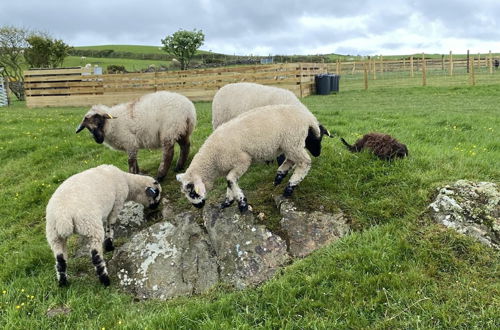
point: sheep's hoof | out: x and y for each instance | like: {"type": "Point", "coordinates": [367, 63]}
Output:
{"type": "Point", "coordinates": [243, 205]}
{"type": "Point", "coordinates": [104, 279]}
{"type": "Point", "coordinates": [108, 245]}
{"type": "Point", "coordinates": [288, 191]}
{"type": "Point", "coordinates": [279, 177]}
{"type": "Point", "coordinates": [63, 281]}
{"type": "Point", "coordinates": [226, 203]}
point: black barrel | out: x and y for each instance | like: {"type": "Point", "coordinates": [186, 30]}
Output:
{"type": "Point", "coordinates": [322, 84]}
{"type": "Point", "coordinates": [334, 82]}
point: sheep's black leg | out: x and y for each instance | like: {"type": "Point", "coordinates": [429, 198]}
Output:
{"type": "Point", "coordinates": [61, 267]}
{"type": "Point", "coordinates": [243, 204]}
{"type": "Point", "coordinates": [282, 171]}
{"type": "Point", "coordinates": [280, 159]}
{"type": "Point", "coordinates": [108, 244]}
{"type": "Point", "coordinates": [58, 246]}
{"type": "Point", "coordinates": [168, 154]}
{"type": "Point", "coordinates": [232, 186]}
{"type": "Point", "coordinates": [100, 267]}
{"type": "Point", "coordinates": [302, 165]}
{"type": "Point", "coordinates": [133, 166]}
{"type": "Point", "coordinates": [185, 144]}
{"type": "Point", "coordinates": [288, 190]}
{"type": "Point", "coordinates": [229, 200]}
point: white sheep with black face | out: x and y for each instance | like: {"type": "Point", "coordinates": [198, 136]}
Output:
{"type": "Point", "coordinates": [234, 99]}
{"type": "Point", "coordinates": [257, 135]}
{"type": "Point", "coordinates": [88, 204]}
{"type": "Point", "coordinates": [156, 120]}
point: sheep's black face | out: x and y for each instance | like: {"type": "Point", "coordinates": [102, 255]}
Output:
{"type": "Point", "coordinates": [153, 194]}
{"type": "Point", "coordinates": [95, 124]}
{"type": "Point", "coordinates": [401, 151]}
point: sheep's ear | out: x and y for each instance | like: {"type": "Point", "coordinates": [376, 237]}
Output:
{"type": "Point", "coordinates": [180, 176]}
{"type": "Point", "coordinates": [152, 192]}
{"type": "Point", "coordinates": [324, 131]}
{"type": "Point", "coordinates": [80, 127]}
{"type": "Point", "coordinates": [199, 188]}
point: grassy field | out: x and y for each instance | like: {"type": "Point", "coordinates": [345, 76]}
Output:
{"type": "Point", "coordinates": [130, 64]}
{"type": "Point", "coordinates": [397, 270]}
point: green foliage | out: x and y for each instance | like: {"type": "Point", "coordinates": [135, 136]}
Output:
{"type": "Point", "coordinates": [113, 68]}
{"type": "Point", "coordinates": [183, 44]}
{"type": "Point", "coordinates": [396, 271]}
{"type": "Point", "coordinates": [44, 52]}
{"type": "Point", "coordinates": [12, 44]}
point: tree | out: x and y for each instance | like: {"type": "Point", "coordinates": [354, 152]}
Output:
{"type": "Point", "coordinates": [183, 45]}
{"type": "Point", "coordinates": [43, 52]}
{"type": "Point", "coordinates": [12, 45]}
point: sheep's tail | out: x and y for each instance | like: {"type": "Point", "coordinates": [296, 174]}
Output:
{"type": "Point", "coordinates": [350, 147]}
{"type": "Point", "coordinates": [61, 227]}
{"type": "Point", "coordinates": [314, 137]}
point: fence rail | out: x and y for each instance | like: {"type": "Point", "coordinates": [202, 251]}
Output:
{"type": "Point", "coordinates": [80, 87]}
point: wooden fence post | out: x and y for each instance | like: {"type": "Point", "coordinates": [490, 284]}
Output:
{"type": "Point", "coordinates": [412, 69]}
{"type": "Point", "coordinates": [366, 74]}
{"type": "Point", "coordinates": [374, 68]}
{"type": "Point", "coordinates": [451, 64]}
{"type": "Point", "coordinates": [424, 71]}
{"type": "Point", "coordinates": [442, 62]}
{"type": "Point", "coordinates": [472, 76]}
{"type": "Point", "coordinates": [381, 64]}
{"type": "Point", "coordinates": [468, 61]}
{"type": "Point", "coordinates": [491, 63]}
{"type": "Point", "coordinates": [337, 70]}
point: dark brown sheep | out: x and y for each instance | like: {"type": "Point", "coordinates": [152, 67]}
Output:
{"type": "Point", "coordinates": [382, 145]}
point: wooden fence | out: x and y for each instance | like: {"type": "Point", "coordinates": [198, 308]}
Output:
{"type": "Point", "coordinates": [81, 87]}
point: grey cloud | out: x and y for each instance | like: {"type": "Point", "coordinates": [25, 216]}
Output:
{"type": "Point", "coordinates": [244, 26]}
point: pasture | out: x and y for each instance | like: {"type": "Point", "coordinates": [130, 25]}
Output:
{"type": "Point", "coordinates": [397, 270]}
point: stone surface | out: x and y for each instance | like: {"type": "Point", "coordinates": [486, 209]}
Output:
{"type": "Point", "coordinates": [307, 232]}
{"type": "Point", "coordinates": [130, 219]}
{"type": "Point", "coordinates": [248, 254]}
{"type": "Point", "coordinates": [166, 260]}
{"type": "Point", "coordinates": [471, 208]}
{"type": "Point", "coordinates": [187, 254]}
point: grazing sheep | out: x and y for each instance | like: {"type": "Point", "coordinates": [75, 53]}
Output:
{"type": "Point", "coordinates": [257, 135]}
{"type": "Point", "coordinates": [156, 120]}
{"type": "Point", "coordinates": [382, 145]}
{"type": "Point", "coordinates": [87, 202]}
{"type": "Point", "coordinates": [235, 99]}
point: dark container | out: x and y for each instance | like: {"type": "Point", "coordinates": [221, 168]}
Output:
{"type": "Point", "coordinates": [334, 82]}
{"type": "Point", "coordinates": [322, 84]}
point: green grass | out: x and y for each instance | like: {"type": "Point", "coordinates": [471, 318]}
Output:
{"type": "Point", "coordinates": [397, 270]}
{"type": "Point", "coordinates": [135, 49]}
{"type": "Point", "coordinates": [131, 65]}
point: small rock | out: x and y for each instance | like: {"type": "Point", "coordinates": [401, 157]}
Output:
{"type": "Point", "coordinates": [471, 208]}
{"type": "Point", "coordinates": [309, 231]}
{"type": "Point", "coordinates": [56, 311]}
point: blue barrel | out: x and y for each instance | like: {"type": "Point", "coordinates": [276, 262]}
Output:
{"type": "Point", "coordinates": [334, 82]}
{"type": "Point", "coordinates": [322, 84]}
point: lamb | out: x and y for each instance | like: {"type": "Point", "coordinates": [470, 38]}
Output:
{"type": "Point", "coordinates": [156, 120]}
{"type": "Point", "coordinates": [257, 135]}
{"type": "Point", "coordinates": [235, 99]}
{"type": "Point", "coordinates": [382, 145]}
{"type": "Point", "coordinates": [88, 204]}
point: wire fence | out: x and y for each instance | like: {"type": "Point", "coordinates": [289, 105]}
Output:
{"type": "Point", "coordinates": [417, 71]}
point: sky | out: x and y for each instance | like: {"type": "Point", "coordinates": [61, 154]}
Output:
{"type": "Point", "coordinates": [267, 27]}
